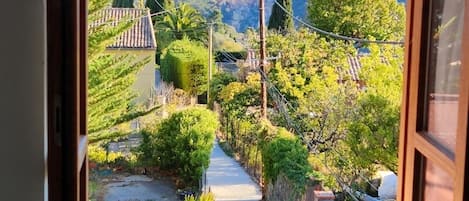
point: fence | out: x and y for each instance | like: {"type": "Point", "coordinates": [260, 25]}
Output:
{"type": "Point", "coordinates": [203, 182]}
{"type": "Point", "coordinates": [244, 144]}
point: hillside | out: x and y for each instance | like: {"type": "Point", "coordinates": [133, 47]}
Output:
{"type": "Point", "coordinates": [242, 14]}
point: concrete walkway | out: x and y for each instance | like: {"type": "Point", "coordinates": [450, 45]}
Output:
{"type": "Point", "coordinates": [228, 181]}
{"type": "Point", "coordinates": [139, 188]}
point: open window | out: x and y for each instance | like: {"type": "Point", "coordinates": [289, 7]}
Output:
{"type": "Point", "coordinates": [67, 86]}
{"type": "Point", "coordinates": [434, 119]}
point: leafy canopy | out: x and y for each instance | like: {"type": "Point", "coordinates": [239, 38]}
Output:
{"type": "Point", "coordinates": [371, 19]}
{"type": "Point", "coordinates": [185, 21]}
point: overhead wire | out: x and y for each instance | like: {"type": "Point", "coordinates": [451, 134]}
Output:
{"type": "Point", "coordinates": [161, 6]}
{"type": "Point", "coordinates": [228, 55]}
{"type": "Point", "coordinates": [334, 35]}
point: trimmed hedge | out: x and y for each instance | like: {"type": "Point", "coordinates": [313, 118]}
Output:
{"type": "Point", "coordinates": [185, 64]}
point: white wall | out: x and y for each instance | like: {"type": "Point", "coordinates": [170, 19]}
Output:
{"type": "Point", "coordinates": [22, 100]}
{"type": "Point", "coordinates": [145, 80]}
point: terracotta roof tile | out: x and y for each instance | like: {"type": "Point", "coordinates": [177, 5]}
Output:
{"type": "Point", "coordinates": [139, 36]}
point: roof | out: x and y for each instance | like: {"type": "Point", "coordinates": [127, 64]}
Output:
{"type": "Point", "coordinates": [139, 36]}
{"type": "Point", "coordinates": [355, 66]}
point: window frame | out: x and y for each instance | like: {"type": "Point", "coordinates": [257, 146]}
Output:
{"type": "Point", "coordinates": [67, 99]}
{"type": "Point", "coordinates": [411, 142]}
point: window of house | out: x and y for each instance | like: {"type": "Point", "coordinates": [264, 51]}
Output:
{"type": "Point", "coordinates": [435, 110]}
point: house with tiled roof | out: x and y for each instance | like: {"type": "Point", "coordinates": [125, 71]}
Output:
{"type": "Point", "coordinates": [138, 41]}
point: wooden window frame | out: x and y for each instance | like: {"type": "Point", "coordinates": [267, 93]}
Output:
{"type": "Point", "coordinates": [411, 142]}
{"type": "Point", "coordinates": [67, 100]}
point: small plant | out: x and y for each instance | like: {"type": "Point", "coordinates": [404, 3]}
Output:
{"type": "Point", "coordinates": [99, 155]}
{"type": "Point", "coordinates": [207, 197]}
{"type": "Point", "coordinates": [190, 198]}
{"type": "Point", "coordinates": [204, 197]}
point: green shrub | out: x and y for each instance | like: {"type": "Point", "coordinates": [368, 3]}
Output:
{"type": "Point", "coordinates": [185, 64]}
{"type": "Point", "coordinates": [183, 143]}
{"type": "Point", "coordinates": [218, 82]}
{"type": "Point", "coordinates": [98, 155]}
{"type": "Point", "coordinates": [286, 155]}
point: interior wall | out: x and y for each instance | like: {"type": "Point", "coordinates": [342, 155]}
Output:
{"type": "Point", "coordinates": [22, 100]}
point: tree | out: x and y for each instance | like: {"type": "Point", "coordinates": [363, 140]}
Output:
{"type": "Point", "coordinates": [186, 21]}
{"type": "Point", "coordinates": [110, 77]}
{"type": "Point", "coordinates": [374, 129]}
{"type": "Point", "coordinates": [185, 64]}
{"type": "Point", "coordinates": [312, 74]}
{"type": "Point", "coordinates": [280, 20]}
{"type": "Point", "coordinates": [371, 19]}
{"type": "Point", "coordinates": [373, 133]}
{"type": "Point", "coordinates": [156, 6]}
{"type": "Point", "coordinates": [123, 3]}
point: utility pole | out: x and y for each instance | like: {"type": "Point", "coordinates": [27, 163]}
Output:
{"type": "Point", "coordinates": [210, 52]}
{"type": "Point", "coordinates": [262, 59]}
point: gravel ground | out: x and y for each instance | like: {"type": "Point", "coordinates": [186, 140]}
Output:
{"type": "Point", "coordinates": [139, 188]}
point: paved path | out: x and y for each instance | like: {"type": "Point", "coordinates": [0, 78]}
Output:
{"type": "Point", "coordinates": [227, 179]}
{"type": "Point", "coordinates": [139, 188]}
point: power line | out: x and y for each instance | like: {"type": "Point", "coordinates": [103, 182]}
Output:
{"type": "Point", "coordinates": [334, 35]}
{"type": "Point", "coordinates": [228, 55]}
{"type": "Point", "coordinates": [162, 7]}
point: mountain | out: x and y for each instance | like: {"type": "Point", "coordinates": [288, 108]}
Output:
{"type": "Point", "coordinates": [242, 14]}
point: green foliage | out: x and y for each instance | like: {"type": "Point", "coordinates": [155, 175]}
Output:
{"type": "Point", "coordinates": [154, 5]}
{"type": "Point", "coordinates": [373, 131]}
{"type": "Point", "coordinates": [382, 72]}
{"type": "Point", "coordinates": [183, 143]}
{"type": "Point", "coordinates": [207, 197]}
{"type": "Point", "coordinates": [185, 64]}
{"type": "Point", "coordinates": [223, 42]}
{"type": "Point", "coordinates": [279, 20]}
{"type": "Point", "coordinates": [97, 154]}
{"type": "Point", "coordinates": [373, 134]}
{"type": "Point", "coordinates": [312, 74]}
{"type": "Point", "coordinates": [228, 93]}
{"type": "Point", "coordinates": [110, 77]}
{"type": "Point", "coordinates": [372, 19]}
{"type": "Point", "coordinates": [123, 3]}
{"type": "Point", "coordinates": [356, 128]}
{"type": "Point", "coordinates": [190, 198]}
{"type": "Point", "coordinates": [286, 155]}
{"type": "Point", "coordinates": [186, 21]}
{"type": "Point", "coordinates": [218, 82]}
{"type": "Point", "coordinates": [204, 197]}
